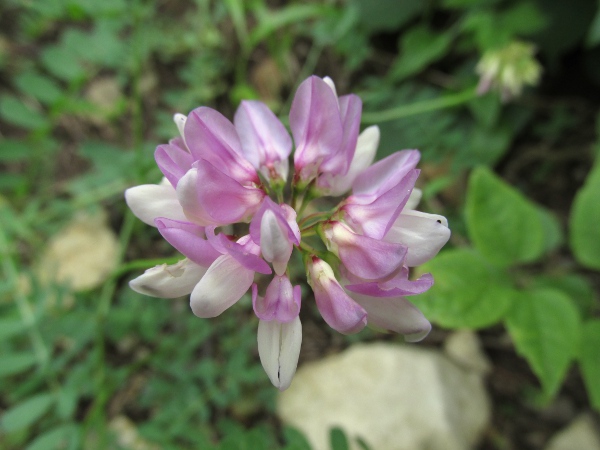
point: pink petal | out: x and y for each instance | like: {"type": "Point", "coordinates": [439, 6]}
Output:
{"type": "Point", "coordinates": [188, 239]}
{"type": "Point", "coordinates": [173, 161]}
{"type": "Point", "coordinates": [339, 311]}
{"type": "Point", "coordinates": [243, 251]}
{"type": "Point", "coordinates": [210, 136]}
{"type": "Point", "coordinates": [220, 197]}
{"type": "Point", "coordinates": [316, 126]}
{"type": "Point", "coordinates": [286, 218]}
{"type": "Point", "coordinates": [374, 216]}
{"type": "Point", "coordinates": [350, 112]}
{"type": "Point", "coordinates": [365, 257]}
{"type": "Point", "coordinates": [224, 283]}
{"type": "Point", "coordinates": [281, 301]}
{"type": "Point", "coordinates": [366, 147]}
{"type": "Point", "coordinates": [385, 174]}
{"type": "Point", "coordinates": [398, 286]}
{"type": "Point", "coordinates": [264, 139]}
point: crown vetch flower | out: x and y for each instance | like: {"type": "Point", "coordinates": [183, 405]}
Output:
{"type": "Point", "coordinates": [221, 177]}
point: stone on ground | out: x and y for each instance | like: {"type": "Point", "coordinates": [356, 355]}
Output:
{"type": "Point", "coordinates": [394, 397]}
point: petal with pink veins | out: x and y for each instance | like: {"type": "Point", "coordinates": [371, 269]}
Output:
{"type": "Point", "coordinates": [211, 136]}
{"type": "Point", "coordinates": [265, 141]}
{"type": "Point", "coordinates": [243, 251]}
{"type": "Point", "coordinates": [189, 239]}
{"type": "Point", "coordinates": [366, 147]}
{"type": "Point", "coordinates": [365, 257]}
{"type": "Point", "coordinates": [173, 161]}
{"type": "Point", "coordinates": [316, 126]}
{"type": "Point", "coordinates": [350, 112]}
{"type": "Point", "coordinates": [386, 173]}
{"type": "Point", "coordinates": [337, 309]}
{"type": "Point", "coordinates": [374, 215]}
{"type": "Point", "coordinates": [209, 195]}
{"type": "Point", "coordinates": [281, 301]}
{"type": "Point", "coordinates": [394, 287]}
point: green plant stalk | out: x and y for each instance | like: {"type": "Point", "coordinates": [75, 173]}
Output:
{"type": "Point", "coordinates": [25, 310]}
{"type": "Point", "coordinates": [143, 264]}
{"type": "Point", "coordinates": [106, 296]}
{"type": "Point", "coordinates": [413, 109]}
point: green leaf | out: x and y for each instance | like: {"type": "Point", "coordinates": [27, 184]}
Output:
{"type": "Point", "coordinates": [585, 221]}
{"type": "Point", "coordinates": [270, 21]}
{"type": "Point", "coordinates": [27, 412]}
{"type": "Point", "coordinates": [387, 15]}
{"type": "Point", "coordinates": [504, 226]}
{"type": "Point", "coordinates": [593, 37]}
{"type": "Point", "coordinates": [486, 109]}
{"type": "Point", "coordinates": [15, 150]}
{"type": "Point", "coordinates": [11, 327]}
{"type": "Point", "coordinates": [39, 87]}
{"type": "Point", "coordinates": [589, 359]}
{"type": "Point", "coordinates": [486, 146]}
{"type": "Point", "coordinates": [295, 440]}
{"type": "Point", "coordinates": [577, 287]}
{"type": "Point", "coordinates": [553, 235]}
{"type": "Point", "coordinates": [60, 62]}
{"type": "Point", "coordinates": [57, 438]}
{"type": "Point", "coordinates": [11, 364]}
{"type": "Point", "coordinates": [338, 440]}
{"type": "Point", "coordinates": [545, 328]}
{"type": "Point", "coordinates": [420, 47]}
{"type": "Point", "coordinates": [468, 291]}
{"type": "Point", "coordinates": [18, 113]}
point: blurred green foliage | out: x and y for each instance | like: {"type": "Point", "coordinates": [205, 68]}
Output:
{"type": "Point", "coordinates": [88, 90]}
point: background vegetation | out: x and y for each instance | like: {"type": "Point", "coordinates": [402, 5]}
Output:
{"type": "Point", "coordinates": [88, 89]}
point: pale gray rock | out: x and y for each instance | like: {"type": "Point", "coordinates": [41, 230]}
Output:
{"type": "Point", "coordinates": [464, 348]}
{"type": "Point", "coordinates": [583, 433]}
{"type": "Point", "coordinates": [395, 397]}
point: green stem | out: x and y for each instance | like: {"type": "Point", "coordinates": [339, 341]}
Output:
{"type": "Point", "coordinates": [142, 264]}
{"type": "Point", "coordinates": [447, 101]}
{"type": "Point", "coordinates": [25, 310]}
{"type": "Point", "coordinates": [310, 249]}
{"type": "Point", "coordinates": [314, 217]}
{"type": "Point", "coordinates": [106, 297]}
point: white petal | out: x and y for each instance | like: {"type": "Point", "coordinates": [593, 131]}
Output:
{"type": "Point", "coordinates": [414, 199]}
{"type": "Point", "coordinates": [424, 235]}
{"type": "Point", "coordinates": [150, 201]}
{"type": "Point", "coordinates": [279, 349]}
{"type": "Point", "coordinates": [180, 120]}
{"type": "Point", "coordinates": [394, 314]}
{"type": "Point", "coordinates": [331, 84]}
{"type": "Point", "coordinates": [169, 281]}
{"type": "Point", "coordinates": [274, 243]}
{"type": "Point", "coordinates": [224, 283]}
{"type": "Point", "coordinates": [366, 147]}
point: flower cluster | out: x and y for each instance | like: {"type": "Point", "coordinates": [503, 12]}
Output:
{"type": "Point", "coordinates": [357, 255]}
{"type": "Point", "coordinates": [508, 69]}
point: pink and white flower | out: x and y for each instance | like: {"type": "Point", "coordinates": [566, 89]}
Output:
{"type": "Point", "coordinates": [357, 254]}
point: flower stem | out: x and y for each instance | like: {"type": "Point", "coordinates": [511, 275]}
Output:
{"type": "Point", "coordinates": [424, 106]}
